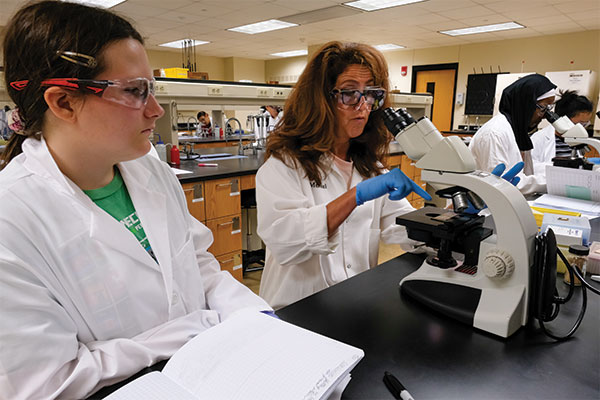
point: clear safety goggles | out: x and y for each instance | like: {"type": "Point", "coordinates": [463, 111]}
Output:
{"type": "Point", "coordinates": [543, 108]}
{"type": "Point", "coordinates": [373, 96]}
{"type": "Point", "coordinates": [131, 93]}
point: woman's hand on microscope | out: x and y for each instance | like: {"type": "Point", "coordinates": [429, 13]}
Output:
{"type": "Point", "coordinates": [511, 174]}
{"type": "Point", "coordinates": [393, 182]}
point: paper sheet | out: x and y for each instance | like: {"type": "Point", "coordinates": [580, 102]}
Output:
{"type": "Point", "coordinates": [180, 171]}
{"type": "Point", "coordinates": [574, 183]}
{"type": "Point", "coordinates": [565, 203]}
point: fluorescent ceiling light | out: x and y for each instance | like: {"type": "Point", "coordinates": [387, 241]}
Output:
{"type": "Point", "coordinates": [178, 44]}
{"type": "Point", "coordinates": [264, 26]}
{"type": "Point", "coordinates": [483, 28]}
{"type": "Point", "coordinates": [388, 46]}
{"type": "Point", "coordinates": [372, 5]}
{"type": "Point", "coordinates": [292, 53]}
{"type": "Point", "coordinates": [97, 3]}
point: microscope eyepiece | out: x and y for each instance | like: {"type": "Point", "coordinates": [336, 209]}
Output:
{"type": "Point", "coordinates": [393, 121]}
{"type": "Point", "coordinates": [550, 116]}
{"type": "Point", "coordinates": [406, 115]}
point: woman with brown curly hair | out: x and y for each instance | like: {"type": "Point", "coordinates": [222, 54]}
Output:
{"type": "Point", "coordinates": [324, 160]}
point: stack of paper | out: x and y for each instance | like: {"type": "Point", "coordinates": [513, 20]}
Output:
{"type": "Point", "coordinates": [574, 183]}
{"type": "Point", "coordinates": [591, 208]}
{"type": "Point", "coordinates": [276, 360]}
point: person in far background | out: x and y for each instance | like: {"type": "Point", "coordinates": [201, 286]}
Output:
{"type": "Point", "coordinates": [104, 271]}
{"type": "Point", "coordinates": [548, 144]}
{"type": "Point", "coordinates": [276, 114]}
{"type": "Point", "coordinates": [324, 198]}
{"type": "Point", "coordinates": [204, 120]}
{"type": "Point", "coordinates": [505, 138]}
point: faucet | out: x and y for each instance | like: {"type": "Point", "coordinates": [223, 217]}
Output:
{"type": "Point", "coordinates": [229, 131]}
{"type": "Point", "coordinates": [188, 123]}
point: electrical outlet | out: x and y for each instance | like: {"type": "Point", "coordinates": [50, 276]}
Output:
{"type": "Point", "coordinates": [160, 88]}
{"type": "Point", "coordinates": [263, 92]}
{"type": "Point", "coordinates": [278, 93]}
{"type": "Point", "coordinates": [215, 90]}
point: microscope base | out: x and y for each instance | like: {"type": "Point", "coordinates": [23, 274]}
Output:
{"type": "Point", "coordinates": [500, 311]}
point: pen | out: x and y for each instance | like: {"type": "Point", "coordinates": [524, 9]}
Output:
{"type": "Point", "coordinates": [395, 387]}
{"type": "Point", "coordinates": [208, 164]}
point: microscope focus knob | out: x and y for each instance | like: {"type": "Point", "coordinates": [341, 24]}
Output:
{"type": "Point", "coordinates": [498, 264]}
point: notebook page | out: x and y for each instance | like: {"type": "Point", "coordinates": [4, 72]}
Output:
{"type": "Point", "coordinates": [255, 356]}
{"type": "Point", "coordinates": [575, 183]}
{"type": "Point", "coordinates": [152, 386]}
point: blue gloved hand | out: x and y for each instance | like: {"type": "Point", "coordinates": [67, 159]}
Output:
{"type": "Point", "coordinates": [394, 182]}
{"type": "Point", "coordinates": [511, 174]}
{"type": "Point", "coordinates": [594, 160]}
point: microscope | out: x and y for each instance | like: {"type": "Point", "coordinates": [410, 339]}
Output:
{"type": "Point", "coordinates": [489, 288]}
{"type": "Point", "coordinates": [576, 137]}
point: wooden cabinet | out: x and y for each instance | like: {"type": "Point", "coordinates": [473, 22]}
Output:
{"type": "Point", "coordinates": [248, 182]}
{"type": "Point", "coordinates": [222, 197]}
{"type": "Point", "coordinates": [194, 195]}
{"type": "Point", "coordinates": [408, 167]}
{"type": "Point", "coordinates": [232, 262]}
{"type": "Point", "coordinates": [227, 233]}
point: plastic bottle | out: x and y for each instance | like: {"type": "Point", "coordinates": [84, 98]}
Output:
{"type": "Point", "coordinates": [161, 149]}
{"type": "Point", "coordinates": [175, 156]}
{"type": "Point", "coordinates": [216, 131]}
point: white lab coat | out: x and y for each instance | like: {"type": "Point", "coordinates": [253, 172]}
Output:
{"type": "Point", "coordinates": [495, 143]}
{"type": "Point", "coordinates": [544, 149]}
{"type": "Point", "coordinates": [82, 304]}
{"type": "Point", "coordinates": [292, 221]}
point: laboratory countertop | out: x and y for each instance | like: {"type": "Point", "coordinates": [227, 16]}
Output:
{"type": "Point", "coordinates": [212, 139]}
{"type": "Point", "coordinates": [231, 167]}
{"type": "Point", "coordinates": [436, 357]}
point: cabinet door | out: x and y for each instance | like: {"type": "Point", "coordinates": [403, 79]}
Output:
{"type": "Point", "coordinates": [222, 197]}
{"type": "Point", "coordinates": [394, 161]}
{"type": "Point", "coordinates": [194, 195]}
{"type": "Point", "coordinates": [248, 182]}
{"type": "Point", "coordinates": [227, 233]}
{"type": "Point", "coordinates": [232, 262]}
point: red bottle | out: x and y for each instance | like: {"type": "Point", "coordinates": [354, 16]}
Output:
{"type": "Point", "coordinates": [175, 155]}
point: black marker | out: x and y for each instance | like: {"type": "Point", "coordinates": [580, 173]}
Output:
{"type": "Point", "coordinates": [395, 387]}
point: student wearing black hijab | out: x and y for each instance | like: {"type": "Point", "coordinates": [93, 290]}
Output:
{"type": "Point", "coordinates": [505, 137]}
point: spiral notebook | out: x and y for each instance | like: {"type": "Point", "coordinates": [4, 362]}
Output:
{"type": "Point", "coordinates": [250, 356]}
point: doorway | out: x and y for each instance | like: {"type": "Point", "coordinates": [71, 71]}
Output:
{"type": "Point", "coordinates": [440, 81]}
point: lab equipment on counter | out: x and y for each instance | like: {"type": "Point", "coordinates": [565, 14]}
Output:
{"type": "Point", "coordinates": [175, 156]}
{"type": "Point", "coordinates": [576, 137]}
{"type": "Point", "coordinates": [489, 289]}
{"type": "Point", "coordinates": [161, 149]}
{"type": "Point", "coordinates": [577, 256]}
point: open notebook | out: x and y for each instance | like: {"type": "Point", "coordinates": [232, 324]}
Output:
{"type": "Point", "coordinates": [250, 356]}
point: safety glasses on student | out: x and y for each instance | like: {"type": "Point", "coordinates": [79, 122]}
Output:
{"type": "Point", "coordinates": [543, 108]}
{"type": "Point", "coordinates": [131, 93]}
{"type": "Point", "coordinates": [373, 96]}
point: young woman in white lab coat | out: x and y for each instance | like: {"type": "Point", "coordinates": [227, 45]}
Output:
{"type": "Point", "coordinates": [322, 192]}
{"type": "Point", "coordinates": [504, 138]}
{"type": "Point", "coordinates": [84, 302]}
{"type": "Point", "coordinates": [578, 108]}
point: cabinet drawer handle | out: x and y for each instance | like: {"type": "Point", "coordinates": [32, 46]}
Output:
{"type": "Point", "coordinates": [226, 261]}
{"type": "Point", "coordinates": [226, 223]}
{"type": "Point", "coordinates": [224, 184]}
{"type": "Point", "coordinates": [188, 190]}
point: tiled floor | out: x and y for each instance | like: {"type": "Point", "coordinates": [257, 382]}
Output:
{"type": "Point", "coordinates": [386, 252]}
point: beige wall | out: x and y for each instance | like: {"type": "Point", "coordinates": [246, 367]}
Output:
{"type": "Point", "coordinates": [564, 52]}
{"type": "Point", "coordinates": [285, 70]}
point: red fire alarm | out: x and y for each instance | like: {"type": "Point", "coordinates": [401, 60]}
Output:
{"type": "Point", "coordinates": [403, 70]}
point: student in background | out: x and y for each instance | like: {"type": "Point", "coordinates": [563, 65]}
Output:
{"type": "Point", "coordinates": [276, 114]}
{"type": "Point", "coordinates": [103, 270]}
{"type": "Point", "coordinates": [324, 198]}
{"type": "Point", "coordinates": [548, 144]}
{"type": "Point", "coordinates": [204, 120]}
{"type": "Point", "coordinates": [504, 139]}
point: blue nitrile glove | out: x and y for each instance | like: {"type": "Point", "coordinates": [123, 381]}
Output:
{"type": "Point", "coordinates": [594, 160]}
{"type": "Point", "coordinates": [270, 313]}
{"type": "Point", "coordinates": [510, 176]}
{"type": "Point", "coordinates": [394, 182]}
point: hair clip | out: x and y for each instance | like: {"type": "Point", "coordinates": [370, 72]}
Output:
{"type": "Point", "coordinates": [78, 58]}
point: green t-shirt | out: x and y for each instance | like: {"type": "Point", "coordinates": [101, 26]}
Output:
{"type": "Point", "coordinates": [114, 199]}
